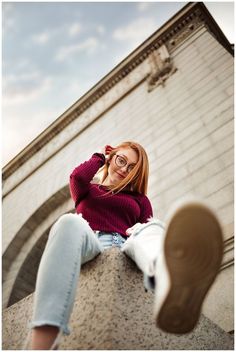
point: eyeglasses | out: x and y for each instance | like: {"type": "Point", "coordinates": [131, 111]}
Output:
{"type": "Point", "coordinates": [121, 162]}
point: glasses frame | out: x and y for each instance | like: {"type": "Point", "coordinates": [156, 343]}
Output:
{"type": "Point", "coordinates": [127, 168]}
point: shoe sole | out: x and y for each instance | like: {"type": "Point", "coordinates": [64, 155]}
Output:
{"type": "Point", "coordinates": [193, 251]}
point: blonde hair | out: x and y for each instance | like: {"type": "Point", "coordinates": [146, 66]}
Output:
{"type": "Point", "coordinates": [137, 179]}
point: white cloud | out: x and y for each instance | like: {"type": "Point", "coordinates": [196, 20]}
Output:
{"type": "Point", "coordinates": [89, 46]}
{"type": "Point", "coordinates": [120, 56]}
{"type": "Point", "coordinates": [143, 6]}
{"type": "Point", "coordinates": [78, 88]}
{"type": "Point", "coordinates": [19, 129]}
{"type": "Point", "coordinates": [44, 37]}
{"type": "Point", "coordinates": [23, 63]}
{"type": "Point", "coordinates": [74, 29]}
{"type": "Point", "coordinates": [48, 35]}
{"type": "Point", "coordinates": [136, 31]}
{"type": "Point", "coordinates": [41, 38]}
{"type": "Point", "coordinates": [23, 77]}
{"type": "Point", "coordinates": [24, 88]}
{"type": "Point", "coordinates": [8, 23]}
{"type": "Point", "coordinates": [13, 141]}
{"type": "Point", "coordinates": [100, 29]}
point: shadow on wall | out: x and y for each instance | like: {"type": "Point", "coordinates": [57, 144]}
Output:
{"type": "Point", "coordinates": [24, 282]}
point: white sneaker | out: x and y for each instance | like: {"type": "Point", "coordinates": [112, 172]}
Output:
{"type": "Point", "coordinates": [187, 266]}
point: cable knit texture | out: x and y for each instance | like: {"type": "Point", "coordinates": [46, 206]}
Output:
{"type": "Point", "coordinates": [111, 213]}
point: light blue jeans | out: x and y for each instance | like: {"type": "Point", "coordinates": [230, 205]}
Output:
{"type": "Point", "coordinates": [70, 244]}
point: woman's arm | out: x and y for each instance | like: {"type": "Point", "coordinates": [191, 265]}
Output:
{"type": "Point", "coordinates": [146, 210]}
{"type": "Point", "coordinates": [82, 175]}
{"type": "Point", "coordinates": [145, 214]}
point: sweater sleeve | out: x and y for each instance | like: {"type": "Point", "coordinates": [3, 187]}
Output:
{"type": "Point", "coordinates": [82, 175]}
{"type": "Point", "coordinates": [146, 210]}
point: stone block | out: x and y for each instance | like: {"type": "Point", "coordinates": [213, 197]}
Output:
{"type": "Point", "coordinates": [112, 311]}
{"type": "Point", "coordinates": [206, 42]}
{"type": "Point", "coordinates": [227, 212]}
{"type": "Point", "coordinates": [222, 197]}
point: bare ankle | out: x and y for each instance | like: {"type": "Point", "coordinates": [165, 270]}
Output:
{"type": "Point", "coordinates": [43, 337]}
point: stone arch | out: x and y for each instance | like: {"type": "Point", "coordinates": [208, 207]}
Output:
{"type": "Point", "coordinates": [22, 256]}
{"type": "Point", "coordinates": [25, 280]}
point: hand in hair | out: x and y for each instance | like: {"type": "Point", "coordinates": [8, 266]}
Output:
{"type": "Point", "coordinates": [107, 150]}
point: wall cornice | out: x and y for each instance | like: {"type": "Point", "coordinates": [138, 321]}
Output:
{"type": "Point", "coordinates": [172, 34]}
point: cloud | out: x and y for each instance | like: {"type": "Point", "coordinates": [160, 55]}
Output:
{"type": "Point", "coordinates": [100, 29]}
{"type": "Point", "coordinates": [13, 141]}
{"type": "Point", "coordinates": [48, 35]}
{"type": "Point", "coordinates": [143, 6]}
{"type": "Point", "coordinates": [78, 88]}
{"type": "Point", "coordinates": [77, 28]}
{"type": "Point", "coordinates": [19, 129]}
{"type": "Point", "coordinates": [71, 30]}
{"type": "Point", "coordinates": [8, 23]}
{"type": "Point", "coordinates": [121, 56]}
{"type": "Point", "coordinates": [24, 88]}
{"type": "Point", "coordinates": [74, 29]}
{"type": "Point", "coordinates": [89, 46]}
{"type": "Point", "coordinates": [23, 63]}
{"type": "Point", "coordinates": [136, 31]}
{"type": "Point", "coordinates": [23, 77]}
{"type": "Point", "coordinates": [41, 38]}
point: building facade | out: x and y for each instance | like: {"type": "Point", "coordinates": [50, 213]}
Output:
{"type": "Point", "coordinates": [173, 95]}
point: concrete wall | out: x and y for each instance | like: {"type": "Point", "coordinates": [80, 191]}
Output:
{"type": "Point", "coordinates": [186, 128]}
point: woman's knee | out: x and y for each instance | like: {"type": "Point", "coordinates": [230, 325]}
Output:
{"type": "Point", "coordinates": [72, 219]}
{"type": "Point", "coordinates": [73, 223]}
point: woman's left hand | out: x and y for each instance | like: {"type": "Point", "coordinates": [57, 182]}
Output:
{"type": "Point", "coordinates": [107, 150]}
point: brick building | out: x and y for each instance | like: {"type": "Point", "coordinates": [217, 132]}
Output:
{"type": "Point", "coordinates": [174, 95]}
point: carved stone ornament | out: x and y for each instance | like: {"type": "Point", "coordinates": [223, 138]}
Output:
{"type": "Point", "coordinates": [162, 67]}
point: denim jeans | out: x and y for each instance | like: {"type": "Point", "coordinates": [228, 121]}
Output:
{"type": "Point", "coordinates": [70, 244]}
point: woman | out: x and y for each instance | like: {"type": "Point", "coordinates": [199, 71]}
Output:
{"type": "Point", "coordinates": [179, 258]}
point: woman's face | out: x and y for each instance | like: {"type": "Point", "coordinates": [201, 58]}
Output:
{"type": "Point", "coordinates": [120, 165]}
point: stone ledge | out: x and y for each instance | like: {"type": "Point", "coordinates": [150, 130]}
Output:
{"type": "Point", "coordinates": [112, 311]}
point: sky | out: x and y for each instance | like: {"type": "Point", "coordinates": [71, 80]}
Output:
{"type": "Point", "coordinates": [54, 52]}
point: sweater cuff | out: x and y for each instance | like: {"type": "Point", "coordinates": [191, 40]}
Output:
{"type": "Point", "coordinates": [101, 156]}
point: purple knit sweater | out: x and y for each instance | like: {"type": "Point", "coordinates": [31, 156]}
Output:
{"type": "Point", "coordinates": [111, 213]}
